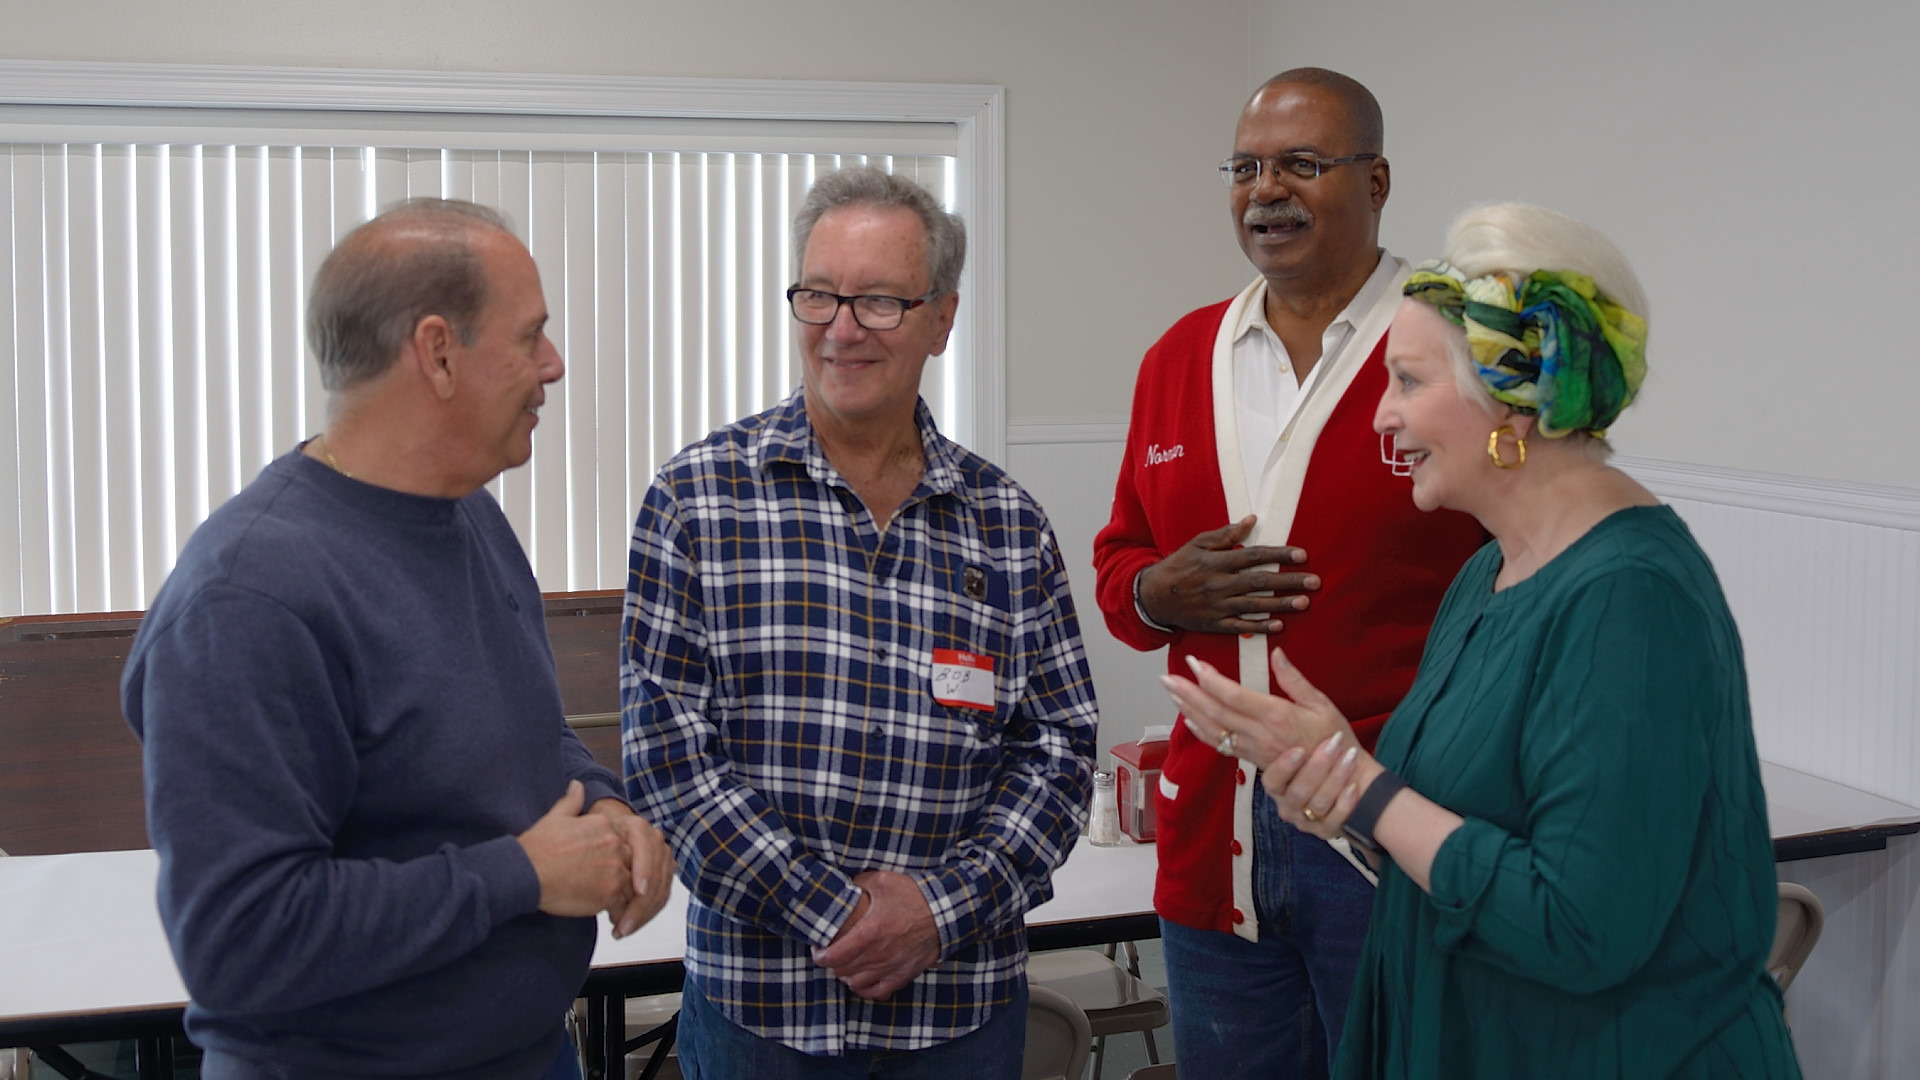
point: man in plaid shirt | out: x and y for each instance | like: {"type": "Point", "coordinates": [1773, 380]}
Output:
{"type": "Point", "coordinates": [853, 691]}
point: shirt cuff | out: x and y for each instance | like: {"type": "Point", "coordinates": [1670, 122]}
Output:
{"type": "Point", "coordinates": [1462, 875]}
{"type": "Point", "coordinates": [512, 887]}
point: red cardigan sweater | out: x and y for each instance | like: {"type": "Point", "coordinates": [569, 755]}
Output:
{"type": "Point", "coordinates": [1383, 564]}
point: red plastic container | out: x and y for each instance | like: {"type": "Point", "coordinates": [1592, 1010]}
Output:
{"type": "Point", "coordinates": [1136, 776]}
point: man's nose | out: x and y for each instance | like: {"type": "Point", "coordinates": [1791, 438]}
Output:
{"type": "Point", "coordinates": [844, 326]}
{"type": "Point", "coordinates": [552, 367]}
{"type": "Point", "coordinates": [1270, 186]}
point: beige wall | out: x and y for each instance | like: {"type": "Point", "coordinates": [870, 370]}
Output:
{"type": "Point", "coordinates": [1754, 159]}
{"type": "Point", "coordinates": [1116, 110]}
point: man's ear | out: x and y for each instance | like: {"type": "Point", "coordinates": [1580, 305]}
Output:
{"type": "Point", "coordinates": [1379, 182]}
{"type": "Point", "coordinates": [432, 348]}
{"type": "Point", "coordinates": [948, 304]}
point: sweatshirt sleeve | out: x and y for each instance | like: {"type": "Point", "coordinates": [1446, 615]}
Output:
{"type": "Point", "coordinates": [251, 770]}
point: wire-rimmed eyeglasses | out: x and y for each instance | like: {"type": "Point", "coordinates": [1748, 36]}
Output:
{"type": "Point", "coordinates": [1246, 170]}
{"type": "Point", "coordinates": [871, 310]}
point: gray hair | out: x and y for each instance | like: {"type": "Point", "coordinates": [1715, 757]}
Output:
{"type": "Point", "coordinates": [869, 186]}
{"type": "Point", "coordinates": [415, 260]}
{"type": "Point", "coordinates": [1517, 239]}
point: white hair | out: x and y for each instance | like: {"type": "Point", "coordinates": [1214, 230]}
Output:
{"type": "Point", "coordinates": [1517, 239]}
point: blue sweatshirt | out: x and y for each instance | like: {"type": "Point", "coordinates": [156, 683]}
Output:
{"type": "Point", "coordinates": [349, 711]}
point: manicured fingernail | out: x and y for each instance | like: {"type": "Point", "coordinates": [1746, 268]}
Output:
{"type": "Point", "coordinates": [1199, 667]}
{"type": "Point", "coordinates": [1311, 581]}
{"type": "Point", "coordinates": [1346, 759]}
{"type": "Point", "coordinates": [1295, 756]}
{"type": "Point", "coordinates": [1332, 743]}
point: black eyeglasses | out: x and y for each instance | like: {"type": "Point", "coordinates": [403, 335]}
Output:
{"type": "Point", "coordinates": [871, 310]}
{"type": "Point", "coordinates": [1246, 170]}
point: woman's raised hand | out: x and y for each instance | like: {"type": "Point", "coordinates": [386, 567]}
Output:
{"type": "Point", "coordinates": [1250, 724]}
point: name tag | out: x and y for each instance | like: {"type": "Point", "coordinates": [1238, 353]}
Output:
{"type": "Point", "coordinates": [963, 679]}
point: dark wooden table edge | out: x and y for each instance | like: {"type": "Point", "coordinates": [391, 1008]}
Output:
{"type": "Point", "coordinates": [1840, 841]}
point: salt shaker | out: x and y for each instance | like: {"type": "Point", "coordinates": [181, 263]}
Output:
{"type": "Point", "coordinates": [1103, 828]}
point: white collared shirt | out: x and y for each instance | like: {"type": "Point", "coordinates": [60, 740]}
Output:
{"type": "Point", "coordinates": [1266, 391]}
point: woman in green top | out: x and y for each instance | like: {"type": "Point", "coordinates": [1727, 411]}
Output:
{"type": "Point", "coordinates": [1576, 878]}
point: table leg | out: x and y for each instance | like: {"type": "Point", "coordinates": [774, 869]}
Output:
{"type": "Point", "coordinates": [606, 1046]}
{"type": "Point", "coordinates": [153, 1057]}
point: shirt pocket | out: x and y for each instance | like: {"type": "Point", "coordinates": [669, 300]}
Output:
{"type": "Point", "coordinates": [976, 627]}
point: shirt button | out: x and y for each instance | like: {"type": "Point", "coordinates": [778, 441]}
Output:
{"type": "Point", "coordinates": [879, 654]}
{"type": "Point", "coordinates": [1240, 776]}
{"type": "Point", "coordinates": [1236, 848]}
{"type": "Point", "coordinates": [1238, 917]}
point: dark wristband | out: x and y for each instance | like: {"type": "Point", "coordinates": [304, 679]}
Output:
{"type": "Point", "coordinates": [1366, 812]}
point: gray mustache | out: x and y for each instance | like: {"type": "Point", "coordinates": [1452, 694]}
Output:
{"type": "Point", "coordinates": [1286, 213]}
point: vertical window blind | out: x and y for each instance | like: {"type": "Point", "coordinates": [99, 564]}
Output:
{"type": "Point", "coordinates": [152, 355]}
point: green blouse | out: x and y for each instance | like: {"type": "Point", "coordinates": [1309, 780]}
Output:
{"type": "Point", "coordinates": [1607, 907]}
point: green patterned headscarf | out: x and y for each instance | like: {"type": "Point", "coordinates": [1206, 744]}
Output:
{"type": "Point", "coordinates": [1557, 347]}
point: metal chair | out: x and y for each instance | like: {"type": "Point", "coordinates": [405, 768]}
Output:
{"type": "Point", "coordinates": [1058, 1036]}
{"type": "Point", "coordinates": [1796, 933]}
{"type": "Point", "coordinates": [657, 1019]}
{"type": "Point", "coordinates": [1114, 997]}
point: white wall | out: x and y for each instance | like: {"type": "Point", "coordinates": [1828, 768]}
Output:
{"type": "Point", "coordinates": [1754, 159]}
{"type": "Point", "coordinates": [1110, 230]}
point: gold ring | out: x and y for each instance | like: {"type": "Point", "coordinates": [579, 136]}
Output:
{"type": "Point", "coordinates": [1229, 743]}
{"type": "Point", "coordinates": [1310, 815]}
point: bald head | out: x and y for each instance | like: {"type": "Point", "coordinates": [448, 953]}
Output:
{"type": "Point", "coordinates": [1364, 123]}
{"type": "Point", "coordinates": [415, 260]}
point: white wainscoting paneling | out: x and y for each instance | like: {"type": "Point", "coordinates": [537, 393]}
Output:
{"type": "Point", "coordinates": [1071, 469]}
{"type": "Point", "coordinates": [1824, 581]}
{"type": "Point", "coordinates": [1853, 1006]}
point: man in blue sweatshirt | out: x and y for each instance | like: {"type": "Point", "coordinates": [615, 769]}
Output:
{"type": "Point", "coordinates": [381, 847]}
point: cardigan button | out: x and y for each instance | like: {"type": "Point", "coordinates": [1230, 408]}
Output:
{"type": "Point", "coordinates": [1240, 776]}
{"type": "Point", "coordinates": [1236, 848]}
{"type": "Point", "coordinates": [1238, 917]}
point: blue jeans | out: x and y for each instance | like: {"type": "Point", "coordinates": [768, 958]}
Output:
{"type": "Point", "coordinates": [566, 1066]}
{"type": "Point", "coordinates": [1271, 1010]}
{"type": "Point", "coordinates": [713, 1047]}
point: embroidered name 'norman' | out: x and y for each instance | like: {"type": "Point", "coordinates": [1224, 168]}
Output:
{"type": "Point", "coordinates": [1157, 456]}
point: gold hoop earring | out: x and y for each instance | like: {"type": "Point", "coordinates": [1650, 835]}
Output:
{"type": "Point", "coordinates": [1493, 447]}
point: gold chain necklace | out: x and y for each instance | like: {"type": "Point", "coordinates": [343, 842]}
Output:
{"type": "Point", "coordinates": [328, 454]}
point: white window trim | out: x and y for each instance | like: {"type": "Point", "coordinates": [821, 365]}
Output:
{"type": "Point", "coordinates": [977, 110]}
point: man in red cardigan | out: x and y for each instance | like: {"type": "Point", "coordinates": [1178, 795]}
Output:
{"type": "Point", "coordinates": [1252, 502]}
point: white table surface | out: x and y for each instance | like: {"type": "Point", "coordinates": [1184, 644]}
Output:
{"type": "Point", "coordinates": [1799, 804]}
{"type": "Point", "coordinates": [79, 934]}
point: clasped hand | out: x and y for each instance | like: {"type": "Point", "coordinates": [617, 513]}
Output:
{"type": "Point", "coordinates": [1310, 762]}
{"type": "Point", "coordinates": [604, 859]}
{"type": "Point", "coordinates": [888, 940]}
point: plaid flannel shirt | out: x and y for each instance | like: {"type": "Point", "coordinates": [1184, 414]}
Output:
{"type": "Point", "coordinates": [780, 725]}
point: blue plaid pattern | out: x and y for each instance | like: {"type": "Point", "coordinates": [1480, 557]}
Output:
{"type": "Point", "coordinates": [779, 724]}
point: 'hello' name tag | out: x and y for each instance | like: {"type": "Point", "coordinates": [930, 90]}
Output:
{"type": "Point", "coordinates": [963, 679]}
